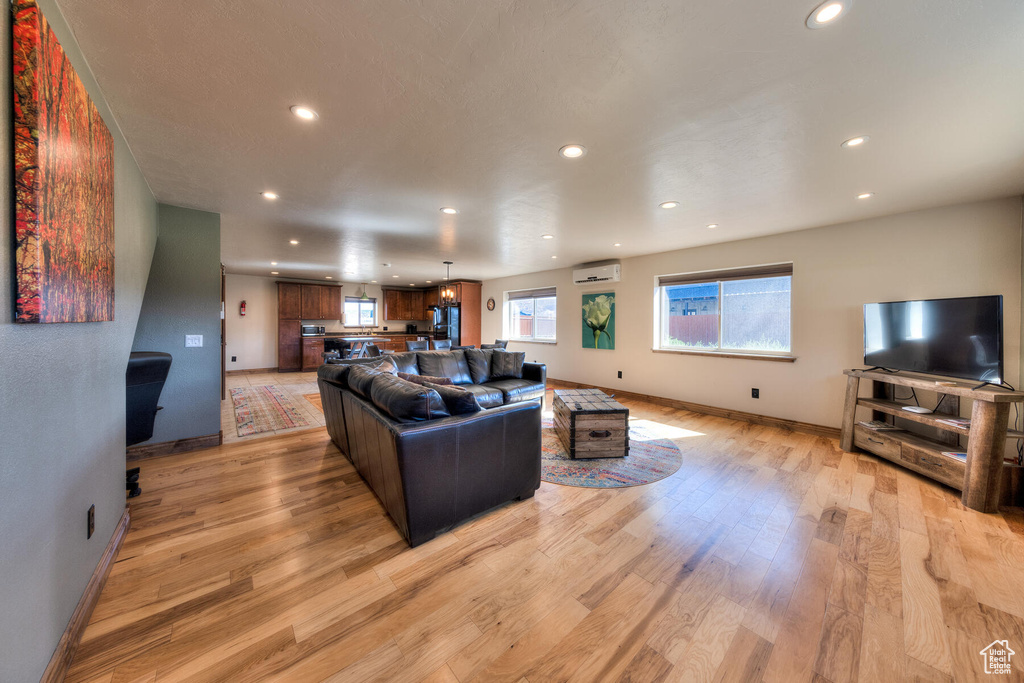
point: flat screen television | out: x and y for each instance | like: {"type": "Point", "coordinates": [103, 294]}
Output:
{"type": "Point", "coordinates": [960, 337]}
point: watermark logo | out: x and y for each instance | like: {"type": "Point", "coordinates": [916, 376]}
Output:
{"type": "Point", "coordinates": [997, 657]}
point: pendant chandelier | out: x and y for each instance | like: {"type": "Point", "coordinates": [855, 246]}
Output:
{"type": "Point", "coordinates": [447, 293]}
{"type": "Point", "coordinates": [365, 296]}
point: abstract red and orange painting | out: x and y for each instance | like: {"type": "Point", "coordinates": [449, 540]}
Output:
{"type": "Point", "coordinates": [63, 184]}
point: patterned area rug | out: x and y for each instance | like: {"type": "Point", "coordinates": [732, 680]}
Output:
{"type": "Point", "coordinates": [651, 457]}
{"type": "Point", "coordinates": [264, 409]}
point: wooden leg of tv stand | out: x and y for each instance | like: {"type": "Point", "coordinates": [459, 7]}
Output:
{"type": "Point", "coordinates": [849, 413]}
{"type": "Point", "coordinates": [989, 421]}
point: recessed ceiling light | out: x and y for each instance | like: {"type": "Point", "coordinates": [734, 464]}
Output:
{"type": "Point", "coordinates": [712, 226]}
{"type": "Point", "coordinates": [273, 263]}
{"type": "Point", "coordinates": [669, 205]}
{"type": "Point", "coordinates": [429, 281]}
{"type": "Point", "coordinates": [617, 244]}
{"type": "Point", "coordinates": [573, 151]}
{"type": "Point", "coordinates": [394, 276]}
{"type": "Point", "coordinates": [274, 272]}
{"type": "Point", "coordinates": [304, 113]}
{"type": "Point", "coordinates": [449, 210]}
{"type": "Point", "coordinates": [349, 272]}
{"type": "Point", "coordinates": [293, 241]}
{"type": "Point", "coordinates": [827, 12]}
{"type": "Point", "coordinates": [269, 195]}
{"type": "Point", "coordinates": [855, 142]}
{"type": "Point", "coordinates": [328, 278]}
{"type": "Point", "coordinates": [374, 281]}
{"type": "Point", "coordinates": [554, 257]}
{"type": "Point", "coordinates": [411, 284]}
{"type": "Point", "coordinates": [865, 195]}
{"type": "Point", "coordinates": [547, 237]}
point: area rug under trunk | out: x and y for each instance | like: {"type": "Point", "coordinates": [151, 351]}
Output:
{"type": "Point", "coordinates": [264, 409]}
{"type": "Point", "coordinates": [652, 456]}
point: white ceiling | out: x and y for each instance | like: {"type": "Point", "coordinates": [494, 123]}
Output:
{"type": "Point", "coordinates": [732, 107]}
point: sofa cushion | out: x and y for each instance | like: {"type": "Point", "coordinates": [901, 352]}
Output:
{"type": "Point", "coordinates": [479, 361]}
{"type": "Point", "coordinates": [360, 377]}
{"type": "Point", "coordinates": [424, 379]}
{"type": "Point", "coordinates": [405, 362]}
{"type": "Point", "coordinates": [406, 401]}
{"type": "Point", "coordinates": [507, 364]}
{"type": "Point", "coordinates": [450, 364]}
{"type": "Point", "coordinates": [458, 400]}
{"type": "Point", "coordinates": [338, 373]}
{"type": "Point", "coordinates": [486, 396]}
{"type": "Point", "coordinates": [516, 390]}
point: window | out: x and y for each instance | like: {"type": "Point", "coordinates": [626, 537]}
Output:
{"type": "Point", "coordinates": [739, 310]}
{"type": "Point", "coordinates": [531, 315]}
{"type": "Point", "coordinates": [360, 312]}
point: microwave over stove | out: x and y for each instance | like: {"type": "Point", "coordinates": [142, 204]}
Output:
{"type": "Point", "coordinates": [313, 330]}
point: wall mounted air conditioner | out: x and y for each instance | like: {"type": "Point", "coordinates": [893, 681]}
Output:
{"type": "Point", "coordinates": [599, 273]}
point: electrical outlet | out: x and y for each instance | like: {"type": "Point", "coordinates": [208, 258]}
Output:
{"type": "Point", "coordinates": [620, 374]}
{"type": "Point", "coordinates": [234, 359]}
{"type": "Point", "coordinates": [755, 393]}
{"type": "Point", "coordinates": [92, 521]}
{"type": "Point", "coordinates": [193, 341]}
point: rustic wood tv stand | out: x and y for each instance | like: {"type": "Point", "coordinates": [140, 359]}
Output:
{"type": "Point", "coordinates": [979, 478]}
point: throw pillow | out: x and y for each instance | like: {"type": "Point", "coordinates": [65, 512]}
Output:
{"type": "Point", "coordinates": [406, 401]}
{"type": "Point", "coordinates": [505, 364]}
{"type": "Point", "coordinates": [457, 400]}
{"type": "Point", "coordinates": [479, 361]}
{"type": "Point", "coordinates": [425, 379]}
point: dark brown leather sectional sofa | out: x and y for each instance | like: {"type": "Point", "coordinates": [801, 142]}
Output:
{"type": "Point", "coordinates": [431, 474]}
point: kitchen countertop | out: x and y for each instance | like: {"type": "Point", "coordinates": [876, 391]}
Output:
{"type": "Point", "coordinates": [367, 334]}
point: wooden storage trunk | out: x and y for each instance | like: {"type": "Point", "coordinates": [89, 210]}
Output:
{"type": "Point", "coordinates": [591, 424]}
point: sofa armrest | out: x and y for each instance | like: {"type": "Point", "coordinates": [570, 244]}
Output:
{"type": "Point", "coordinates": [456, 467]}
{"type": "Point", "coordinates": [536, 372]}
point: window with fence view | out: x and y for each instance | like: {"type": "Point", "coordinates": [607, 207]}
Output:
{"type": "Point", "coordinates": [746, 309]}
{"type": "Point", "coordinates": [531, 315]}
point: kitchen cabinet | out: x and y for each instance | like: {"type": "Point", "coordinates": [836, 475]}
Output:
{"type": "Point", "coordinates": [403, 304]}
{"type": "Point", "coordinates": [330, 303]}
{"type": "Point", "coordinates": [311, 302]}
{"type": "Point", "coordinates": [430, 298]}
{"type": "Point", "coordinates": [297, 302]}
{"type": "Point", "coordinates": [289, 346]}
{"type": "Point", "coordinates": [289, 301]}
{"type": "Point", "coordinates": [312, 353]}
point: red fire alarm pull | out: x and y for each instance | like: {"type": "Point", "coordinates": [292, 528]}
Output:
{"type": "Point", "coordinates": [241, 309]}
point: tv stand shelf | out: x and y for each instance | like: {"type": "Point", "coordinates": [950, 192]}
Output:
{"type": "Point", "coordinates": [978, 478]}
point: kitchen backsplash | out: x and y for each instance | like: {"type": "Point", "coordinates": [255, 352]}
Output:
{"type": "Point", "coordinates": [392, 325]}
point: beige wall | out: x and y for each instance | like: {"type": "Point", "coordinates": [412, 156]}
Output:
{"type": "Point", "coordinates": [253, 339]}
{"type": "Point", "coordinates": [963, 250]}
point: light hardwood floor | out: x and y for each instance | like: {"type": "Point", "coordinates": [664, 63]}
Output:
{"type": "Point", "coordinates": [770, 556]}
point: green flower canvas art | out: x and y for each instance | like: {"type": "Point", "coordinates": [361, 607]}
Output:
{"type": "Point", "coordinates": [599, 321]}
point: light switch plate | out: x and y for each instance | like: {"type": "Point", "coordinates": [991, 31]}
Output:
{"type": "Point", "coordinates": [193, 340]}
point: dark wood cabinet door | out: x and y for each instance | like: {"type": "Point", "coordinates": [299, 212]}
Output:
{"type": "Point", "coordinates": [330, 303]}
{"type": "Point", "coordinates": [289, 345]}
{"type": "Point", "coordinates": [312, 354]}
{"type": "Point", "coordinates": [392, 304]}
{"type": "Point", "coordinates": [289, 301]}
{"type": "Point", "coordinates": [310, 302]}
{"type": "Point", "coordinates": [430, 298]}
{"type": "Point", "coordinates": [416, 305]}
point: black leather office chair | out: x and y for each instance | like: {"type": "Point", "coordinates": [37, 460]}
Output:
{"type": "Point", "coordinates": [144, 380]}
{"type": "Point", "coordinates": [417, 345]}
{"type": "Point", "coordinates": [441, 344]}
